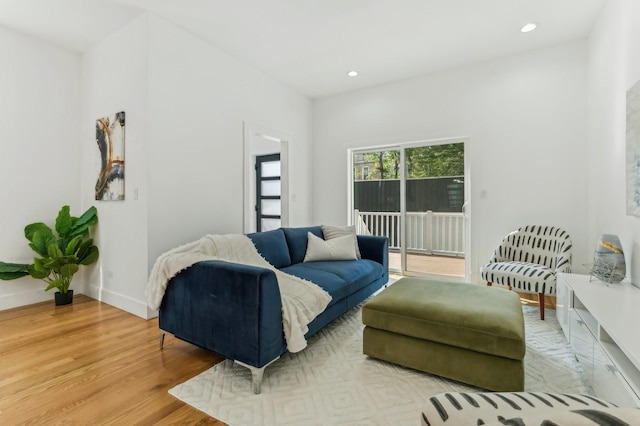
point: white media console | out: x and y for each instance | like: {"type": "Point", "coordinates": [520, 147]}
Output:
{"type": "Point", "coordinates": [602, 323]}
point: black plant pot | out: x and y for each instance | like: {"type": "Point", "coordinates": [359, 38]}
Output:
{"type": "Point", "coordinates": [64, 298]}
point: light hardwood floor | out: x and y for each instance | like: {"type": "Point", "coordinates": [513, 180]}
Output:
{"type": "Point", "coordinates": [90, 363]}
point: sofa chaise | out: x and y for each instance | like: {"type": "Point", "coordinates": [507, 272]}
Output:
{"type": "Point", "coordinates": [235, 309]}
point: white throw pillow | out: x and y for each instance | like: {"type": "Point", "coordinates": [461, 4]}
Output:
{"type": "Point", "coordinates": [340, 248]}
{"type": "Point", "coordinates": [332, 231]}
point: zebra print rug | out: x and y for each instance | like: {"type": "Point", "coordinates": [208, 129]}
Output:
{"type": "Point", "coordinates": [332, 382]}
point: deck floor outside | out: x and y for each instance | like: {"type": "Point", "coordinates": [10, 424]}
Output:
{"type": "Point", "coordinates": [449, 266]}
{"type": "Point", "coordinates": [434, 264]}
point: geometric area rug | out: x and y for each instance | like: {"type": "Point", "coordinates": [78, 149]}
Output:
{"type": "Point", "coordinates": [331, 382]}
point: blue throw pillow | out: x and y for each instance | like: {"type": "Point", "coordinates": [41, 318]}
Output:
{"type": "Point", "coordinates": [297, 241]}
{"type": "Point", "coordinates": [272, 245]}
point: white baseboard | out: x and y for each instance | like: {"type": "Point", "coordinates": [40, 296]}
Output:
{"type": "Point", "coordinates": [126, 303]}
{"type": "Point", "coordinates": [23, 298]}
{"type": "Point", "coordinates": [120, 301]}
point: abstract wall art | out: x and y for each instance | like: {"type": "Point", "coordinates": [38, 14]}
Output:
{"type": "Point", "coordinates": [633, 150]}
{"type": "Point", "coordinates": [110, 140]}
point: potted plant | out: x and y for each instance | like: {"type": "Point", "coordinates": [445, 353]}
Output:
{"type": "Point", "coordinates": [60, 254]}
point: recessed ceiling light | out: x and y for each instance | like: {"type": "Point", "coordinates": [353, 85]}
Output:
{"type": "Point", "coordinates": [352, 73]}
{"type": "Point", "coordinates": [528, 27]}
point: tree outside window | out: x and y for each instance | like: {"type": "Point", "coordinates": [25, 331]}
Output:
{"type": "Point", "coordinates": [423, 161]}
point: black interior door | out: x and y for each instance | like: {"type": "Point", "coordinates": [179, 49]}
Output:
{"type": "Point", "coordinates": [268, 192]}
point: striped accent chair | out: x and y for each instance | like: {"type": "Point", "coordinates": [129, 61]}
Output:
{"type": "Point", "coordinates": [528, 260]}
{"type": "Point", "coordinates": [524, 409]}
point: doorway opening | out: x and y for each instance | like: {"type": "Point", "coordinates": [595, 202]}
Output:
{"type": "Point", "coordinates": [266, 180]}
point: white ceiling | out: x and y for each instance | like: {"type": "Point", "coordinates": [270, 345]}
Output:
{"type": "Point", "coordinates": [311, 44]}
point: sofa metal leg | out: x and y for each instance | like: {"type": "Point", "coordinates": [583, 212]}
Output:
{"type": "Point", "coordinates": [162, 340]}
{"type": "Point", "coordinates": [256, 374]}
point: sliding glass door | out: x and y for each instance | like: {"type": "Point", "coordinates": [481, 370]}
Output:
{"type": "Point", "coordinates": [376, 198]}
{"type": "Point", "coordinates": [415, 195]}
{"type": "Point", "coordinates": [433, 213]}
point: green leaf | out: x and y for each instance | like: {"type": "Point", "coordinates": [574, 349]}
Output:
{"type": "Point", "coordinates": [91, 257]}
{"type": "Point", "coordinates": [30, 229]}
{"type": "Point", "coordinates": [38, 271]}
{"type": "Point", "coordinates": [54, 251]}
{"type": "Point", "coordinates": [52, 263]}
{"type": "Point", "coordinates": [58, 262]}
{"type": "Point", "coordinates": [63, 222]}
{"type": "Point", "coordinates": [85, 246]}
{"type": "Point", "coordinates": [38, 264]}
{"type": "Point", "coordinates": [68, 270]}
{"type": "Point", "coordinates": [12, 275]}
{"type": "Point", "coordinates": [42, 239]}
{"type": "Point", "coordinates": [82, 224]}
{"type": "Point", "coordinates": [73, 245]}
{"type": "Point", "coordinates": [59, 284]}
{"type": "Point", "coordinates": [12, 271]}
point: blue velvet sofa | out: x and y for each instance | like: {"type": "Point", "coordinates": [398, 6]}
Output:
{"type": "Point", "coordinates": [235, 310]}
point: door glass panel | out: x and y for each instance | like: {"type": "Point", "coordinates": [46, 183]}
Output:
{"type": "Point", "coordinates": [376, 198]}
{"type": "Point", "coordinates": [270, 188]}
{"type": "Point", "coordinates": [434, 220]}
{"type": "Point", "coordinates": [270, 224]}
{"type": "Point", "coordinates": [271, 207]}
{"type": "Point", "coordinates": [415, 197]}
{"type": "Point", "coordinates": [271, 169]}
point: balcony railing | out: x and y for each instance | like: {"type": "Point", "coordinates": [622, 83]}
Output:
{"type": "Point", "coordinates": [427, 232]}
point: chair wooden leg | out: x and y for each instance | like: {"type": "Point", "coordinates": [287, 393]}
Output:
{"type": "Point", "coordinates": [489, 284]}
{"type": "Point", "coordinates": [541, 302]}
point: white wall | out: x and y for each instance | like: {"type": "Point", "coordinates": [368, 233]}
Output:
{"type": "Point", "coordinates": [185, 104]}
{"type": "Point", "coordinates": [115, 78]}
{"type": "Point", "coordinates": [199, 98]}
{"type": "Point", "coordinates": [185, 100]}
{"type": "Point", "coordinates": [613, 67]}
{"type": "Point", "coordinates": [39, 122]}
{"type": "Point", "coordinates": [525, 117]}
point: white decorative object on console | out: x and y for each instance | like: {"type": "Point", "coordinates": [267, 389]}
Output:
{"type": "Point", "coordinates": [608, 260]}
{"type": "Point", "coordinates": [600, 320]}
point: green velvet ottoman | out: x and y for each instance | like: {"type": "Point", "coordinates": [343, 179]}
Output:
{"type": "Point", "coordinates": [470, 333]}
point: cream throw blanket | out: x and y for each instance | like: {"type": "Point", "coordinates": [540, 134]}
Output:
{"type": "Point", "coordinates": [302, 300]}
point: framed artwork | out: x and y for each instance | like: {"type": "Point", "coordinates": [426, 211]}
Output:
{"type": "Point", "coordinates": [633, 150]}
{"type": "Point", "coordinates": [110, 141]}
